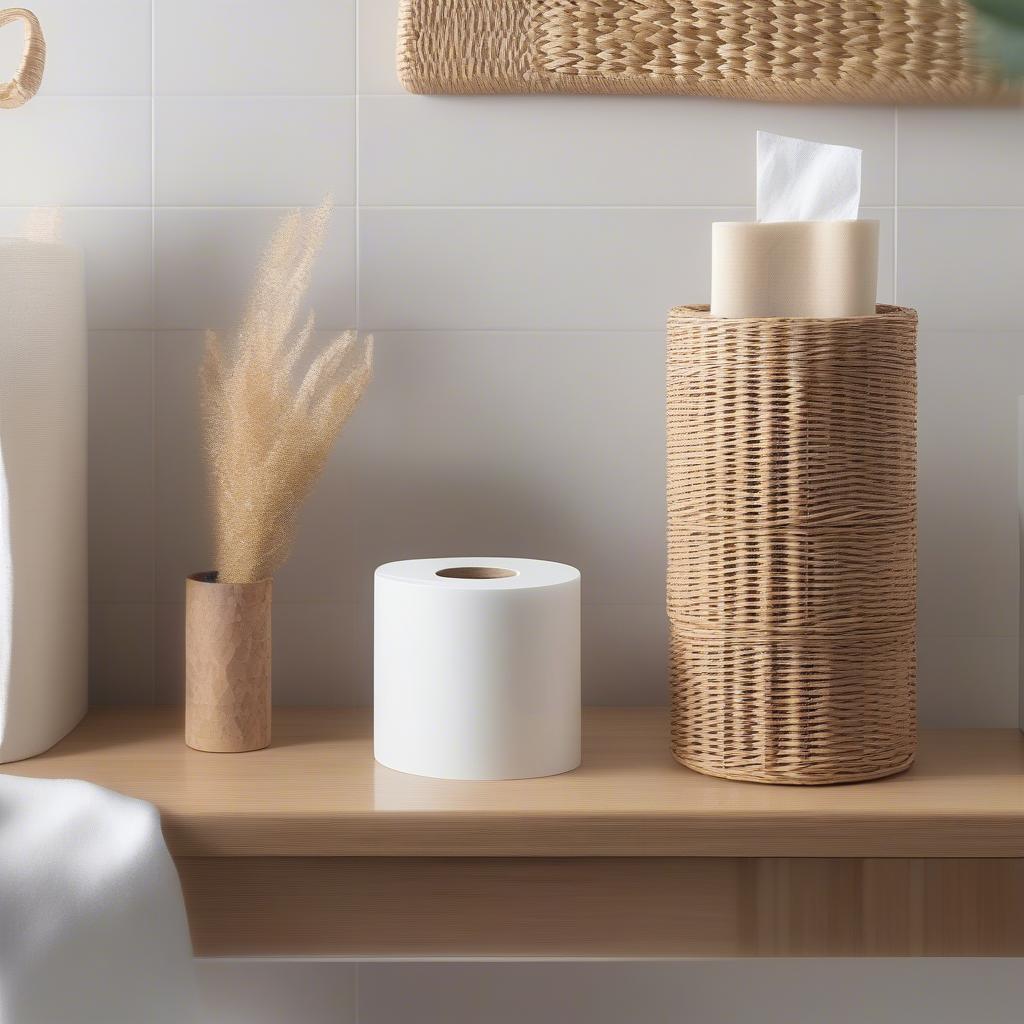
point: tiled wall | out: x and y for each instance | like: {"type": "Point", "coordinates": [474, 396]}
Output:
{"type": "Point", "coordinates": [702, 992]}
{"type": "Point", "coordinates": [515, 258]}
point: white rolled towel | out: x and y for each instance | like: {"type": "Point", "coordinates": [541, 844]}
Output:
{"type": "Point", "coordinates": [92, 922]}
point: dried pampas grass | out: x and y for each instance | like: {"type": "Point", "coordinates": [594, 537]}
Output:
{"type": "Point", "coordinates": [266, 439]}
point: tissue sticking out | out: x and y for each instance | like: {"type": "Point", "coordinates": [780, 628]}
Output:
{"type": "Point", "coordinates": [808, 254]}
{"type": "Point", "coordinates": [800, 180]}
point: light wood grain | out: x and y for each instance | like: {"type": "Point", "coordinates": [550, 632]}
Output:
{"type": "Point", "coordinates": [309, 848]}
{"type": "Point", "coordinates": [431, 906]}
{"type": "Point", "coordinates": [317, 792]}
{"type": "Point", "coordinates": [621, 907]}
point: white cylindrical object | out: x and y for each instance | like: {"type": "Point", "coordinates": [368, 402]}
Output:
{"type": "Point", "coordinates": [814, 268]}
{"type": "Point", "coordinates": [43, 543]}
{"type": "Point", "coordinates": [477, 667]}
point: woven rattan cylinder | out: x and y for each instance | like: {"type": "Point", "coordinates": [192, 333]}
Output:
{"type": "Point", "coordinates": [891, 51]}
{"type": "Point", "coordinates": [792, 545]}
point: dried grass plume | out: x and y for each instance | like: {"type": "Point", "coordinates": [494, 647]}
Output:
{"type": "Point", "coordinates": [266, 436]}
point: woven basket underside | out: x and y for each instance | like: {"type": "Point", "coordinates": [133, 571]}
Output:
{"type": "Point", "coordinates": [912, 51]}
{"type": "Point", "coordinates": [792, 541]}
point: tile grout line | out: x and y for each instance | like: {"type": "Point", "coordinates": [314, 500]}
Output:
{"type": "Point", "coordinates": [533, 329]}
{"type": "Point", "coordinates": [153, 344]}
{"type": "Point", "coordinates": [357, 283]}
{"type": "Point", "coordinates": [357, 197]}
{"type": "Point", "coordinates": [356, 996]}
{"type": "Point", "coordinates": [502, 207]}
{"type": "Point", "coordinates": [43, 97]}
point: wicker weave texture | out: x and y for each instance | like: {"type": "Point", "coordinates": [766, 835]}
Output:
{"type": "Point", "coordinates": [912, 51]}
{"type": "Point", "coordinates": [792, 539]}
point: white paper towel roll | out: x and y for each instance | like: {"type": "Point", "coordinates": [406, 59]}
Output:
{"type": "Point", "coordinates": [477, 667]}
{"type": "Point", "coordinates": [795, 268]}
{"type": "Point", "coordinates": [43, 436]}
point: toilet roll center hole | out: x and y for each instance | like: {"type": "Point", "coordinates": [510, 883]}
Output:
{"type": "Point", "coordinates": [476, 572]}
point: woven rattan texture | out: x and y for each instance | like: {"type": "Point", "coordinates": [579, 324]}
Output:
{"type": "Point", "coordinates": [913, 51]}
{"type": "Point", "coordinates": [792, 542]}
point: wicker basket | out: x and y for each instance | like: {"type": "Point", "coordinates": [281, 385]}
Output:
{"type": "Point", "coordinates": [792, 540]}
{"type": "Point", "coordinates": [891, 51]}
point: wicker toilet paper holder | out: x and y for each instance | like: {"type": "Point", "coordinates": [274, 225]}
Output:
{"type": "Point", "coordinates": [792, 538]}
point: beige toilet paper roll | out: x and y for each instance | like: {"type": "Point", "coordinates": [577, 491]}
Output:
{"type": "Point", "coordinates": [794, 268]}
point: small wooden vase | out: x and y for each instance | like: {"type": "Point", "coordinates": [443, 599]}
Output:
{"type": "Point", "coordinates": [227, 664]}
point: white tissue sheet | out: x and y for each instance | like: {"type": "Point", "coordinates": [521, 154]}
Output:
{"type": "Point", "coordinates": [801, 180]}
{"type": "Point", "coordinates": [92, 923]}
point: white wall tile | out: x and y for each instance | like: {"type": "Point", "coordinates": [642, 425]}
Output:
{"type": "Point", "coordinates": [169, 644]}
{"type": "Point", "coordinates": [967, 157]}
{"type": "Point", "coordinates": [259, 47]}
{"type": "Point", "coordinates": [119, 283]}
{"type": "Point", "coordinates": [261, 992]}
{"type": "Point", "coordinates": [962, 268]}
{"type": "Point", "coordinates": [121, 500]}
{"type": "Point", "coordinates": [206, 259]}
{"type": "Point", "coordinates": [534, 445]}
{"type": "Point", "coordinates": [705, 992]}
{"type": "Point", "coordinates": [967, 682]}
{"type": "Point", "coordinates": [254, 151]}
{"type": "Point", "coordinates": [121, 653]}
{"type": "Point", "coordinates": [322, 654]}
{"type": "Point", "coordinates": [378, 43]}
{"type": "Point", "coordinates": [516, 269]}
{"type": "Point", "coordinates": [74, 151]}
{"type": "Point", "coordinates": [582, 150]}
{"type": "Point", "coordinates": [532, 269]}
{"type": "Point", "coordinates": [93, 47]}
{"type": "Point", "coordinates": [968, 388]}
{"type": "Point", "coordinates": [183, 537]}
{"type": "Point", "coordinates": [117, 246]}
{"type": "Point", "coordinates": [625, 653]}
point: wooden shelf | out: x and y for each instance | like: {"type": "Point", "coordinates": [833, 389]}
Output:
{"type": "Point", "coordinates": [310, 848]}
{"type": "Point", "coordinates": [318, 792]}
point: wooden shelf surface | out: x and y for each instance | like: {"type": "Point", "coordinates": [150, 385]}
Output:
{"type": "Point", "coordinates": [318, 792]}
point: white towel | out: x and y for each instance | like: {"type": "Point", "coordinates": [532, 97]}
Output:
{"type": "Point", "coordinates": [92, 923]}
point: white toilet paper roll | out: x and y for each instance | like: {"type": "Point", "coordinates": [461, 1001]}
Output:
{"type": "Point", "coordinates": [794, 268]}
{"type": "Point", "coordinates": [477, 667]}
{"type": "Point", "coordinates": [43, 559]}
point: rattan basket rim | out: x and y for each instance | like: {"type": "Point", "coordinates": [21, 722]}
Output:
{"type": "Point", "coordinates": [883, 311]}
